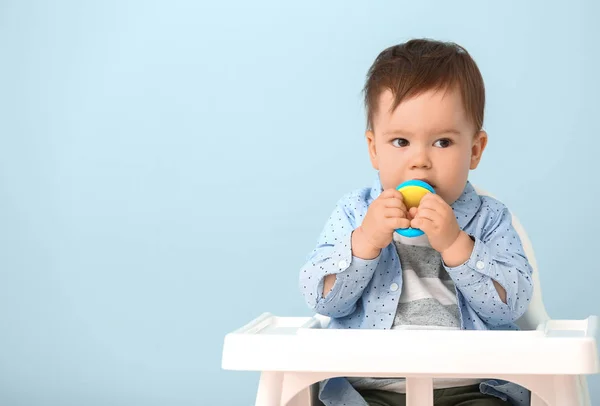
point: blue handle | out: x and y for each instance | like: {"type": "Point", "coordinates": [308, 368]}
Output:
{"type": "Point", "coordinates": [410, 232]}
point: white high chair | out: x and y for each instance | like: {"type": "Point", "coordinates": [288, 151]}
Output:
{"type": "Point", "coordinates": [548, 357]}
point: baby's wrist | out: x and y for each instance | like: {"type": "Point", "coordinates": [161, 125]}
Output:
{"type": "Point", "coordinates": [459, 251]}
{"type": "Point", "coordinates": [362, 247]}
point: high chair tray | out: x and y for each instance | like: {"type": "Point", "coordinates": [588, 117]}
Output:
{"type": "Point", "coordinates": [271, 343]}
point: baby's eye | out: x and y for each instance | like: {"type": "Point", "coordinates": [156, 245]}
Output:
{"type": "Point", "coordinates": [399, 142]}
{"type": "Point", "coordinates": [443, 143]}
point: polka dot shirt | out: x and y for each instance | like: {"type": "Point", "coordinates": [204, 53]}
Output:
{"type": "Point", "coordinates": [366, 292]}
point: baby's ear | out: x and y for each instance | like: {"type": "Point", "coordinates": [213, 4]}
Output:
{"type": "Point", "coordinates": [479, 142]}
{"type": "Point", "coordinates": [372, 150]}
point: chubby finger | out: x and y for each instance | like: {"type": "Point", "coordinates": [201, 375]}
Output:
{"type": "Point", "coordinates": [395, 203]}
{"type": "Point", "coordinates": [412, 212]}
{"type": "Point", "coordinates": [392, 198]}
{"type": "Point", "coordinates": [386, 194]}
{"type": "Point", "coordinates": [429, 214]}
{"type": "Point", "coordinates": [432, 200]}
{"type": "Point", "coordinates": [397, 222]}
{"type": "Point", "coordinates": [422, 223]}
{"type": "Point", "coordinates": [393, 212]}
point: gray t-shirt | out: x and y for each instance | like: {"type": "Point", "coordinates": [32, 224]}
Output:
{"type": "Point", "coordinates": [428, 298]}
{"type": "Point", "coordinates": [427, 301]}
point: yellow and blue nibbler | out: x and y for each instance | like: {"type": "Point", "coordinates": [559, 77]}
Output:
{"type": "Point", "coordinates": [412, 192]}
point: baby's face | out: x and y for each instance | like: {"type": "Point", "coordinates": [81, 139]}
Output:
{"type": "Point", "coordinates": [427, 137]}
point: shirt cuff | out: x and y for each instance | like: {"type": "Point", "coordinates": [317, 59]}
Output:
{"type": "Point", "coordinates": [352, 273]}
{"type": "Point", "coordinates": [475, 268]}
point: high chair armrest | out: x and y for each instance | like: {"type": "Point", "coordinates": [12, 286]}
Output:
{"type": "Point", "coordinates": [571, 328]}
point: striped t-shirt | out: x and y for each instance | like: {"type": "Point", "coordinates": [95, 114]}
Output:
{"type": "Point", "coordinates": [428, 301]}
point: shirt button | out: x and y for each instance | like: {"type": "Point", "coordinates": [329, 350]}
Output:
{"type": "Point", "coordinates": [343, 264]}
{"type": "Point", "coordinates": [394, 287]}
{"type": "Point", "coordinates": [480, 265]}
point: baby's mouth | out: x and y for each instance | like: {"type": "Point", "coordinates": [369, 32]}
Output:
{"type": "Point", "coordinates": [427, 181]}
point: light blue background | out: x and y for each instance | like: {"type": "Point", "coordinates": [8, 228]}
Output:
{"type": "Point", "coordinates": [165, 168]}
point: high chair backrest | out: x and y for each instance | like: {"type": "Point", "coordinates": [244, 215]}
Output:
{"type": "Point", "coordinates": [536, 312]}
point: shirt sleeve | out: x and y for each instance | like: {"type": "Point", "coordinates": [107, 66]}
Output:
{"type": "Point", "coordinates": [333, 255]}
{"type": "Point", "coordinates": [497, 255]}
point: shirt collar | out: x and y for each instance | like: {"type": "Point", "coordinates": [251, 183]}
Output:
{"type": "Point", "coordinates": [465, 207]}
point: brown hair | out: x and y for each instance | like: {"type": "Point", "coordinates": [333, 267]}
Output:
{"type": "Point", "coordinates": [420, 65]}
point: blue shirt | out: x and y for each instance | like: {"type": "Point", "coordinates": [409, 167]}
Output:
{"type": "Point", "coordinates": [366, 292]}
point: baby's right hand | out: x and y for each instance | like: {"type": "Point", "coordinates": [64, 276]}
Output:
{"type": "Point", "coordinates": [386, 214]}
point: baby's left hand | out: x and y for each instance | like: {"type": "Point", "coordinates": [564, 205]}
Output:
{"type": "Point", "coordinates": [436, 218]}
